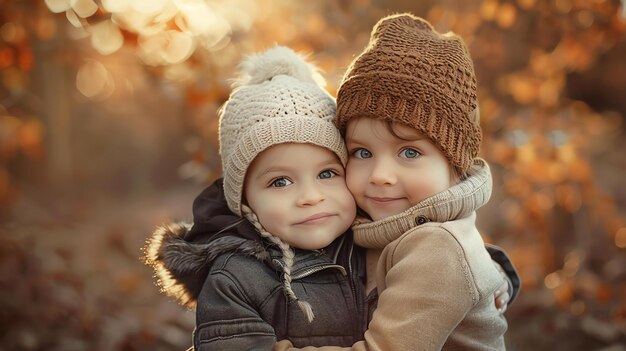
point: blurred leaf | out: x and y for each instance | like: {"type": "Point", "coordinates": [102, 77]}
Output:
{"type": "Point", "coordinates": [104, 100]}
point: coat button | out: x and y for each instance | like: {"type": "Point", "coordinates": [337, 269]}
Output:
{"type": "Point", "coordinates": [419, 220]}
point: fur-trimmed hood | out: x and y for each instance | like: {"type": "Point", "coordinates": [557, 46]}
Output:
{"type": "Point", "coordinates": [181, 254]}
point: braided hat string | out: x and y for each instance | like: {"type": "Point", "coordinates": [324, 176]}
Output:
{"type": "Point", "coordinates": [288, 257]}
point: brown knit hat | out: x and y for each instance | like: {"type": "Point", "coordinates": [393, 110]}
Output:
{"type": "Point", "coordinates": [413, 75]}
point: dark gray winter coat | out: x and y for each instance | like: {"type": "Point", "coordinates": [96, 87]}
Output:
{"type": "Point", "coordinates": [233, 280]}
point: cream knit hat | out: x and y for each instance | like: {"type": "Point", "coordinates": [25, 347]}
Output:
{"type": "Point", "coordinates": [276, 100]}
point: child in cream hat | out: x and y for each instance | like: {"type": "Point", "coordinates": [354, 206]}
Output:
{"type": "Point", "coordinates": [267, 258]}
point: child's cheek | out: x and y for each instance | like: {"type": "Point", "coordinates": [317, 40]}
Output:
{"type": "Point", "coordinates": [356, 185]}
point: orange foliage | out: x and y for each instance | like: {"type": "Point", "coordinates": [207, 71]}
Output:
{"type": "Point", "coordinates": [561, 224]}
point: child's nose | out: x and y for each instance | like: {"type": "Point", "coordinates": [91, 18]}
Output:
{"type": "Point", "coordinates": [383, 173]}
{"type": "Point", "coordinates": [310, 195]}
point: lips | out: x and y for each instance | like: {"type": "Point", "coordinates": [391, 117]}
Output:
{"type": "Point", "coordinates": [383, 200]}
{"type": "Point", "coordinates": [316, 218]}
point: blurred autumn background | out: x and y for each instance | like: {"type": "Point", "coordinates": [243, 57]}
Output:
{"type": "Point", "coordinates": [108, 128]}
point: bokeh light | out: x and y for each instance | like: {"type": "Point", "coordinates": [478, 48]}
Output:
{"type": "Point", "coordinates": [106, 37]}
{"type": "Point", "coordinates": [108, 110]}
{"type": "Point", "coordinates": [94, 80]}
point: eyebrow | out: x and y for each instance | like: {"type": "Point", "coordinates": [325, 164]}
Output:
{"type": "Point", "coordinates": [410, 134]}
{"type": "Point", "coordinates": [354, 141]}
{"type": "Point", "coordinates": [272, 169]}
{"type": "Point", "coordinates": [404, 138]}
{"type": "Point", "coordinates": [411, 137]}
{"type": "Point", "coordinates": [329, 161]}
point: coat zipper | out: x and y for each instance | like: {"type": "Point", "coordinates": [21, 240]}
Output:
{"type": "Point", "coordinates": [357, 298]}
{"type": "Point", "coordinates": [310, 271]}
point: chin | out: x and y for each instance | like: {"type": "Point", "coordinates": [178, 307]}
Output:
{"type": "Point", "coordinates": [316, 244]}
{"type": "Point", "coordinates": [379, 216]}
{"type": "Point", "coordinates": [375, 215]}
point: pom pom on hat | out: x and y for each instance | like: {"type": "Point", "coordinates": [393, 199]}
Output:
{"type": "Point", "coordinates": [279, 60]}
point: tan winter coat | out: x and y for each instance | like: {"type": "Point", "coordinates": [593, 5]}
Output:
{"type": "Point", "coordinates": [435, 279]}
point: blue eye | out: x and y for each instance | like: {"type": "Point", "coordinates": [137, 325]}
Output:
{"type": "Point", "coordinates": [326, 174]}
{"type": "Point", "coordinates": [361, 153]}
{"type": "Point", "coordinates": [280, 182]}
{"type": "Point", "coordinates": [409, 153]}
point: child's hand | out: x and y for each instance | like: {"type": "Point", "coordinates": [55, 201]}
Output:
{"type": "Point", "coordinates": [282, 345]}
{"type": "Point", "coordinates": [502, 297]}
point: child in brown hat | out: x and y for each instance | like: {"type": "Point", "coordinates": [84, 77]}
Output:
{"type": "Point", "coordinates": [409, 112]}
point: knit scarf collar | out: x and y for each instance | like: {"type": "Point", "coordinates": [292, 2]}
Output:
{"type": "Point", "coordinates": [458, 201]}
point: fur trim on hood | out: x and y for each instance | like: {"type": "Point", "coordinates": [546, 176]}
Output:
{"type": "Point", "coordinates": [181, 254]}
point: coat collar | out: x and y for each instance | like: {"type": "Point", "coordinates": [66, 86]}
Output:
{"type": "Point", "coordinates": [458, 201]}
